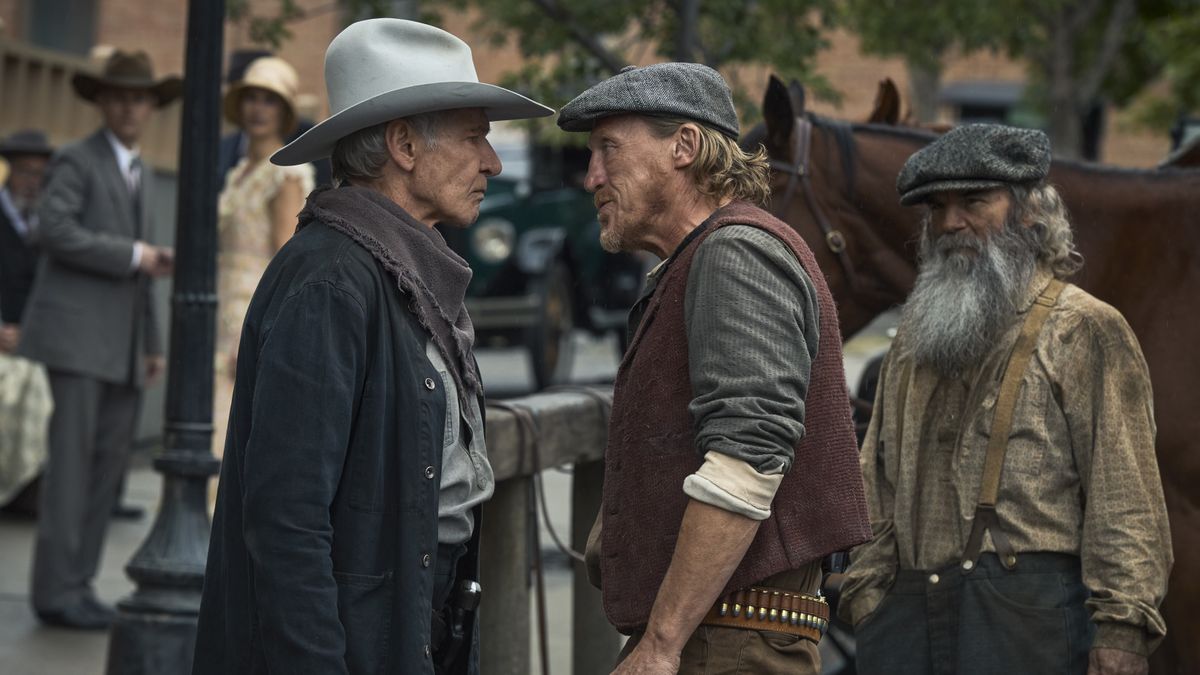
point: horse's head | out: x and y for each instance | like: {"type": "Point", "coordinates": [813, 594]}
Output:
{"type": "Point", "coordinates": [840, 196]}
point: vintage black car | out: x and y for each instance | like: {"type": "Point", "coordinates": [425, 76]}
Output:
{"type": "Point", "coordinates": [539, 271]}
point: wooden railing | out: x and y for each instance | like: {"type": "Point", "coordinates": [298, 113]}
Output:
{"type": "Point", "coordinates": [36, 93]}
{"type": "Point", "coordinates": [560, 427]}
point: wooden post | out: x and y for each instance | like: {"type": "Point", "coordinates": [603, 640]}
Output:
{"type": "Point", "coordinates": [595, 643]}
{"type": "Point", "coordinates": [504, 558]}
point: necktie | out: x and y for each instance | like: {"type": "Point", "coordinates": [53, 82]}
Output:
{"type": "Point", "coordinates": [134, 179]}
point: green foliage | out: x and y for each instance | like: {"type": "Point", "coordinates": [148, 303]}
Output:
{"type": "Point", "coordinates": [921, 31]}
{"type": "Point", "coordinates": [269, 31]}
{"type": "Point", "coordinates": [568, 46]}
{"type": "Point", "coordinates": [1173, 40]}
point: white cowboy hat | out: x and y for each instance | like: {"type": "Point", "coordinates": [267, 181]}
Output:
{"type": "Point", "coordinates": [383, 69]}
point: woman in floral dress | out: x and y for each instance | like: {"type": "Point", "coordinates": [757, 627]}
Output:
{"type": "Point", "coordinates": [257, 210]}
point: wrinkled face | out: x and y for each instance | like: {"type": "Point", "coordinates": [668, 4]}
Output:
{"type": "Point", "coordinates": [449, 178]}
{"type": "Point", "coordinates": [262, 113]}
{"type": "Point", "coordinates": [25, 180]}
{"type": "Point", "coordinates": [627, 174]}
{"type": "Point", "coordinates": [126, 112]}
{"type": "Point", "coordinates": [969, 217]}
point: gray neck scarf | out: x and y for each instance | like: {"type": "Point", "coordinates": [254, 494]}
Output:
{"type": "Point", "coordinates": [428, 271]}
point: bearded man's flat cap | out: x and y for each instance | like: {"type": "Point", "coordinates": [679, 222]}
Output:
{"type": "Point", "coordinates": [975, 157]}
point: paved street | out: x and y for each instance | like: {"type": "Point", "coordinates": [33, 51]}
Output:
{"type": "Point", "coordinates": [27, 648]}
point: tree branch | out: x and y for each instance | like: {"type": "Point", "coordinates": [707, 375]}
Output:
{"type": "Point", "coordinates": [1093, 79]}
{"type": "Point", "coordinates": [583, 36]}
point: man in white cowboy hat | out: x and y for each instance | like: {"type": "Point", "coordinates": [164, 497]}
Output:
{"type": "Point", "coordinates": [89, 319]}
{"type": "Point", "coordinates": [345, 538]}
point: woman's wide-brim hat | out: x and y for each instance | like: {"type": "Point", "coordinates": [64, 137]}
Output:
{"type": "Point", "coordinates": [272, 74]}
{"type": "Point", "coordinates": [26, 142]}
{"type": "Point", "coordinates": [384, 69]}
{"type": "Point", "coordinates": [128, 70]}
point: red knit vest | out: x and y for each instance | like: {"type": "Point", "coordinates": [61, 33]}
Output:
{"type": "Point", "coordinates": [819, 508]}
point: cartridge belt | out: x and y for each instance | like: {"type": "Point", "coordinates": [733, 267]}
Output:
{"type": "Point", "coordinates": [773, 609]}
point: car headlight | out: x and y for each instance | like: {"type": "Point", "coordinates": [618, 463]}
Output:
{"type": "Point", "coordinates": [493, 240]}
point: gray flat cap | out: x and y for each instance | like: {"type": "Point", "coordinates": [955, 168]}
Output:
{"type": "Point", "coordinates": [688, 90]}
{"type": "Point", "coordinates": [975, 157]}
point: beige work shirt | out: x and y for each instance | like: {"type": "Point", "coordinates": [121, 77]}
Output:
{"type": "Point", "coordinates": [1080, 474]}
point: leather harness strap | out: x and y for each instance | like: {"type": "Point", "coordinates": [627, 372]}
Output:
{"type": "Point", "coordinates": [798, 173]}
{"type": "Point", "coordinates": [986, 518]}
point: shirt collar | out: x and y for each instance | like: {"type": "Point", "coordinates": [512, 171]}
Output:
{"type": "Point", "coordinates": [1041, 279]}
{"type": "Point", "coordinates": [10, 209]}
{"type": "Point", "coordinates": [125, 156]}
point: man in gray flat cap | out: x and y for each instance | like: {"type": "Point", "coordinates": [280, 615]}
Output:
{"type": "Point", "coordinates": [346, 533]}
{"type": "Point", "coordinates": [1015, 499]}
{"type": "Point", "coordinates": [731, 463]}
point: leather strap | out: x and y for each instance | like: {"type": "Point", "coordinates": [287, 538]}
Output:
{"type": "Point", "coordinates": [986, 517]}
{"type": "Point", "coordinates": [773, 609]}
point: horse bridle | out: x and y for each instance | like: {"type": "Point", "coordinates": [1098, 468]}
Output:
{"type": "Point", "coordinates": [798, 174]}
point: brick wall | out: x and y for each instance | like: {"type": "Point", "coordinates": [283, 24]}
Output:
{"type": "Point", "coordinates": [158, 26]}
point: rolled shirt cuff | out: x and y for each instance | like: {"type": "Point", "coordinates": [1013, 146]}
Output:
{"type": "Point", "coordinates": [1122, 636]}
{"type": "Point", "coordinates": [732, 484]}
{"type": "Point", "coordinates": [136, 259]}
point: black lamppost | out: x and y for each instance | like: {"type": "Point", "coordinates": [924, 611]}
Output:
{"type": "Point", "coordinates": [155, 630]}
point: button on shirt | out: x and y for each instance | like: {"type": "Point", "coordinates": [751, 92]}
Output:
{"type": "Point", "coordinates": [467, 479]}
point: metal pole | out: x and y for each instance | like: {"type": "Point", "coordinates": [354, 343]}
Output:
{"type": "Point", "coordinates": [155, 630]}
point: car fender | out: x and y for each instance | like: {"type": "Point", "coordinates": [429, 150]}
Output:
{"type": "Point", "coordinates": [537, 249]}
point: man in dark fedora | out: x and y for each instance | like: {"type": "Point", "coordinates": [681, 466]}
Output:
{"type": "Point", "coordinates": [27, 153]}
{"type": "Point", "coordinates": [89, 320]}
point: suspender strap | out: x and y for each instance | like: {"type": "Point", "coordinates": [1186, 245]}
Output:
{"type": "Point", "coordinates": [986, 517]}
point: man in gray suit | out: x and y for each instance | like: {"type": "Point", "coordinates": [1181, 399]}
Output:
{"type": "Point", "coordinates": [90, 321]}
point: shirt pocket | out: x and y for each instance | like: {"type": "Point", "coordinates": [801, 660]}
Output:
{"type": "Point", "coordinates": [1027, 437]}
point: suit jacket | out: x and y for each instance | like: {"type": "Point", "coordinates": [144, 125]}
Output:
{"type": "Point", "coordinates": [18, 264]}
{"type": "Point", "coordinates": [89, 313]}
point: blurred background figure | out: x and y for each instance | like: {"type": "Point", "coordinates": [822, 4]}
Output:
{"type": "Point", "coordinates": [27, 153]}
{"type": "Point", "coordinates": [90, 321]}
{"type": "Point", "coordinates": [256, 212]}
{"type": "Point", "coordinates": [233, 145]}
{"type": "Point", "coordinates": [25, 402]}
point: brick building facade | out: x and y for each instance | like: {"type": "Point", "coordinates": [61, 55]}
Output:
{"type": "Point", "coordinates": [158, 27]}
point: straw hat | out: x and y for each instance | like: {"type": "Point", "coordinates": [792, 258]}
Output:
{"type": "Point", "coordinates": [272, 74]}
{"type": "Point", "coordinates": [384, 69]}
{"type": "Point", "coordinates": [128, 70]}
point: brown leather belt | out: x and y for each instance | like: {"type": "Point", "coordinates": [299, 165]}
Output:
{"type": "Point", "coordinates": [773, 609]}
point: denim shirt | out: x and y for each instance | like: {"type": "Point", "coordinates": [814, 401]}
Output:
{"type": "Point", "coordinates": [467, 479]}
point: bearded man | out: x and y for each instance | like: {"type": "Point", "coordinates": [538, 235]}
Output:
{"type": "Point", "coordinates": [1019, 523]}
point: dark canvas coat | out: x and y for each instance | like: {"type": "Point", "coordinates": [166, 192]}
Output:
{"type": "Point", "coordinates": [328, 500]}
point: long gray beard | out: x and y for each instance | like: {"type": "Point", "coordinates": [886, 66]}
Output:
{"type": "Point", "coordinates": [961, 304]}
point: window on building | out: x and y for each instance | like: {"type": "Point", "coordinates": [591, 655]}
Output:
{"type": "Point", "coordinates": [62, 25]}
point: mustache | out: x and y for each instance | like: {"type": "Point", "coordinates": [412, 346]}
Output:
{"type": "Point", "coordinates": [959, 240]}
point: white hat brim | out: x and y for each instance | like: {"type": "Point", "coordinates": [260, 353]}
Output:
{"type": "Point", "coordinates": [498, 104]}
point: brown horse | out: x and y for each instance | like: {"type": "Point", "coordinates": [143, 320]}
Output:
{"type": "Point", "coordinates": [835, 183]}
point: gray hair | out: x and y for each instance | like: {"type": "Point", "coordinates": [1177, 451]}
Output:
{"type": "Point", "coordinates": [360, 156]}
{"type": "Point", "coordinates": [1042, 205]}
